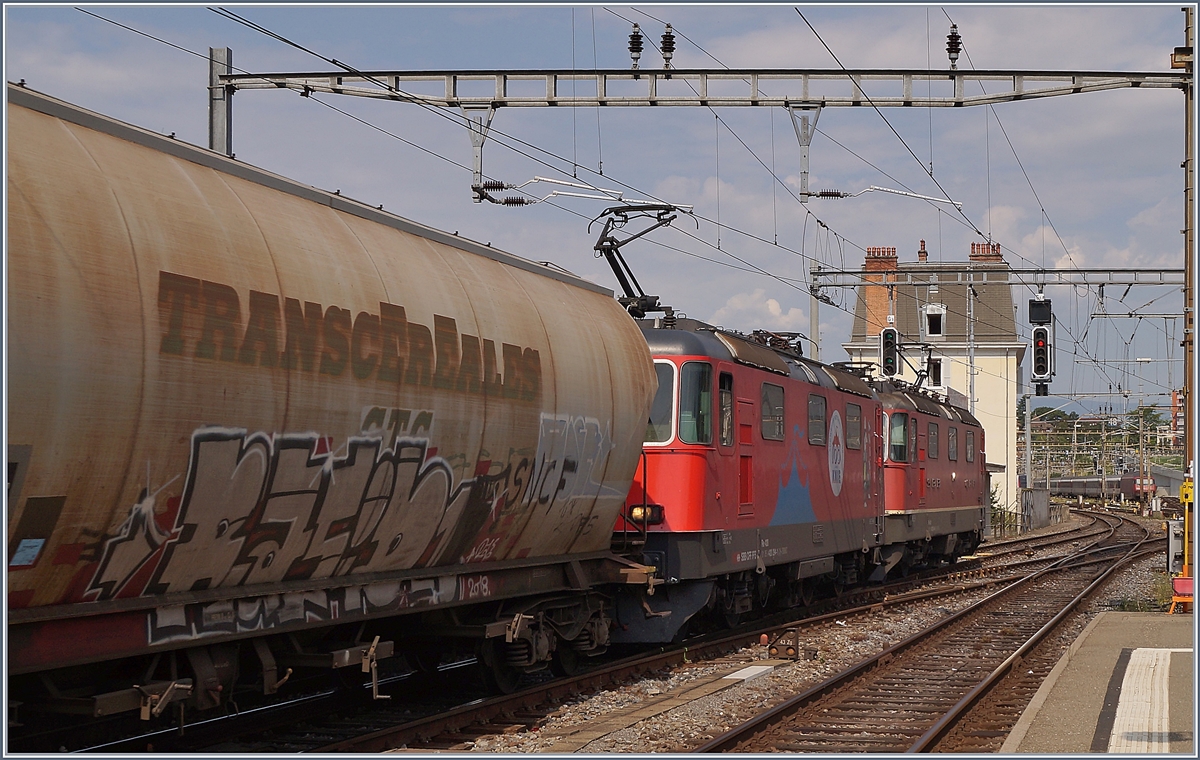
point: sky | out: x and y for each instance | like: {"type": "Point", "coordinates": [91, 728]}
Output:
{"type": "Point", "coordinates": [1090, 180]}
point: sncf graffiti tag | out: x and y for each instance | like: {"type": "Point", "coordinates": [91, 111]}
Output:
{"type": "Point", "coordinates": [205, 320]}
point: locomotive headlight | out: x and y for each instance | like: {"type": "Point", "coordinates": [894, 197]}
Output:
{"type": "Point", "coordinates": [954, 476]}
{"type": "Point", "coordinates": [649, 514]}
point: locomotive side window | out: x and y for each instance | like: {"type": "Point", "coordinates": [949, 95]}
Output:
{"type": "Point", "coordinates": [658, 429]}
{"type": "Point", "coordinates": [725, 399]}
{"type": "Point", "coordinates": [772, 412]}
{"type": "Point", "coordinates": [853, 426]}
{"type": "Point", "coordinates": [695, 403]}
{"type": "Point", "coordinates": [898, 437]}
{"type": "Point", "coordinates": [816, 420]}
{"type": "Point", "coordinates": [952, 444]}
{"type": "Point", "coordinates": [932, 445]}
{"type": "Point", "coordinates": [970, 445]}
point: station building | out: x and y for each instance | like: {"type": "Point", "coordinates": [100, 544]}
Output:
{"type": "Point", "coordinates": [950, 307]}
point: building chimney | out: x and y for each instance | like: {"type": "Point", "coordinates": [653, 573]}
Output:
{"type": "Point", "coordinates": [986, 253]}
{"type": "Point", "coordinates": [879, 263]}
{"type": "Point", "coordinates": [880, 259]}
{"type": "Point", "coordinates": [922, 255]}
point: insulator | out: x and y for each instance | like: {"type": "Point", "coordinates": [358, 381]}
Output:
{"type": "Point", "coordinates": [668, 47]}
{"type": "Point", "coordinates": [953, 45]}
{"type": "Point", "coordinates": [635, 45]}
{"type": "Point", "coordinates": [514, 201]}
{"type": "Point", "coordinates": [831, 194]}
{"type": "Point", "coordinates": [669, 321]}
{"type": "Point", "coordinates": [492, 184]}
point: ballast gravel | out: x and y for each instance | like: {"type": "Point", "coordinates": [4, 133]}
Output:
{"type": "Point", "coordinates": [838, 645]}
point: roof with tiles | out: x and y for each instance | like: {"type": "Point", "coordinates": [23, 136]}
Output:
{"type": "Point", "coordinates": [993, 307]}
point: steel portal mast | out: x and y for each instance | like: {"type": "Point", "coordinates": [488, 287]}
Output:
{"type": "Point", "coordinates": [478, 93]}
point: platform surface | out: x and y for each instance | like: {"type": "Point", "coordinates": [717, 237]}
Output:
{"type": "Point", "coordinates": [1126, 686]}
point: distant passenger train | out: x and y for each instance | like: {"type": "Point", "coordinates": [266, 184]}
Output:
{"type": "Point", "coordinates": [1130, 486]}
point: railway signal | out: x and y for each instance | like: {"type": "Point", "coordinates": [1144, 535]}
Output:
{"type": "Point", "coordinates": [889, 351]}
{"type": "Point", "coordinates": [1041, 317]}
{"type": "Point", "coordinates": [1042, 368]}
{"type": "Point", "coordinates": [1040, 312]}
{"type": "Point", "coordinates": [1043, 360]}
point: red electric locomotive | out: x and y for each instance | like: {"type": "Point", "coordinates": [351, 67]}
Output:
{"type": "Point", "coordinates": [935, 481]}
{"type": "Point", "coordinates": [766, 475]}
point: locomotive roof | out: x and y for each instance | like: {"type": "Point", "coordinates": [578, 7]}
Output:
{"type": "Point", "coordinates": [60, 109]}
{"type": "Point", "coordinates": [691, 337]}
{"type": "Point", "coordinates": [895, 398]}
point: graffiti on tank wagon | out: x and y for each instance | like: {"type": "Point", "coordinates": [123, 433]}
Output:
{"type": "Point", "coordinates": [571, 457]}
{"type": "Point", "coordinates": [258, 508]}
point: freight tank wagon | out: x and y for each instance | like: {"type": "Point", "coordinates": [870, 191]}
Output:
{"type": "Point", "coordinates": [243, 407]}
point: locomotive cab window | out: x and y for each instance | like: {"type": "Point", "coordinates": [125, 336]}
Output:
{"type": "Point", "coordinates": [932, 443]}
{"type": "Point", "coordinates": [695, 403]}
{"type": "Point", "coordinates": [816, 420]}
{"type": "Point", "coordinates": [898, 437]}
{"type": "Point", "coordinates": [970, 445]}
{"type": "Point", "coordinates": [853, 426]}
{"type": "Point", "coordinates": [658, 429]}
{"type": "Point", "coordinates": [952, 444]}
{"type": "Point", "coordinates": [725, 399]}
{"type": "Point", "coordinates": [772, 412]}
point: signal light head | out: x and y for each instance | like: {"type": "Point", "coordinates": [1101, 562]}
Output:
{"type": "Point", "coordinates": [889, 351]}
{"type": "Point", "coordinates": [1042, 361]}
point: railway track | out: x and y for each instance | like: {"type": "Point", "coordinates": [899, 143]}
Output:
{"type": "Point", "coordinates": [919, 695]}
{"type": "Point", "coordinates": [1091, 526]}
{"type": "Point", "coordinates": [326, 723]}
{"type": "Point", "coordinates": [423, 715]}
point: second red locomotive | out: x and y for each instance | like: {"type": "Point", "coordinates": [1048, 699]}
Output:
{"type": "Point", "coordinates": [766, 476]}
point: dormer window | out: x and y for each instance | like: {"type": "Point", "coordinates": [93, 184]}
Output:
{"type": "Point", "coordinates": [935, 320]}
{"type": "Point", "coordinates": [935, 373]}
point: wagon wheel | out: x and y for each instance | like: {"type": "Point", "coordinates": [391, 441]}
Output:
{"type": "Point", "coordinates": [732, 619]}
{"type": "Point", "coordinates": [839, 587]}
{"type": "Point", "coordinates": [498, 676]}
{"type": "Point", "coordinates": [805, 592]}
{"type": "Point", "coordinates": [566, 661]}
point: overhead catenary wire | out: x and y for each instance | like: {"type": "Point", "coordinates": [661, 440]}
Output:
{"type": "Point", "coordinates": [494, 133]}
{"type": "Point", "coordinates": [887, 122]}
{"type": "Point", "coordinates": [841, 239]}
{"type": "Point", "coordinates": [1041, 206]}
{"type": "Point", "coordinates": [963, 220]}
{"type": "Point", "coordinates": [334, 61]}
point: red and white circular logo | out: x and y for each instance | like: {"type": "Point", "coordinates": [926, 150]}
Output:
{"type": "Point", "coordinates": [837, 452]}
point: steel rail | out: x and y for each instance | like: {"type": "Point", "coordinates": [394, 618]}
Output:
{"type": "Point", "coordinates": [731, 739]}
{"type": "Point", "coordinates": [938, 730]}
{"type": "Point", "coordinates": [466, 715]}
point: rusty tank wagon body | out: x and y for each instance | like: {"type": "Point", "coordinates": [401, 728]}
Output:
{"type": "Point", "coordinates": [242, 409]}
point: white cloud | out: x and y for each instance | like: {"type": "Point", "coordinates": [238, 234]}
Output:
{"type": "Point", "coordinates": [1105, 166]}
{"type": "Point", "coordinates": [754, 311]}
